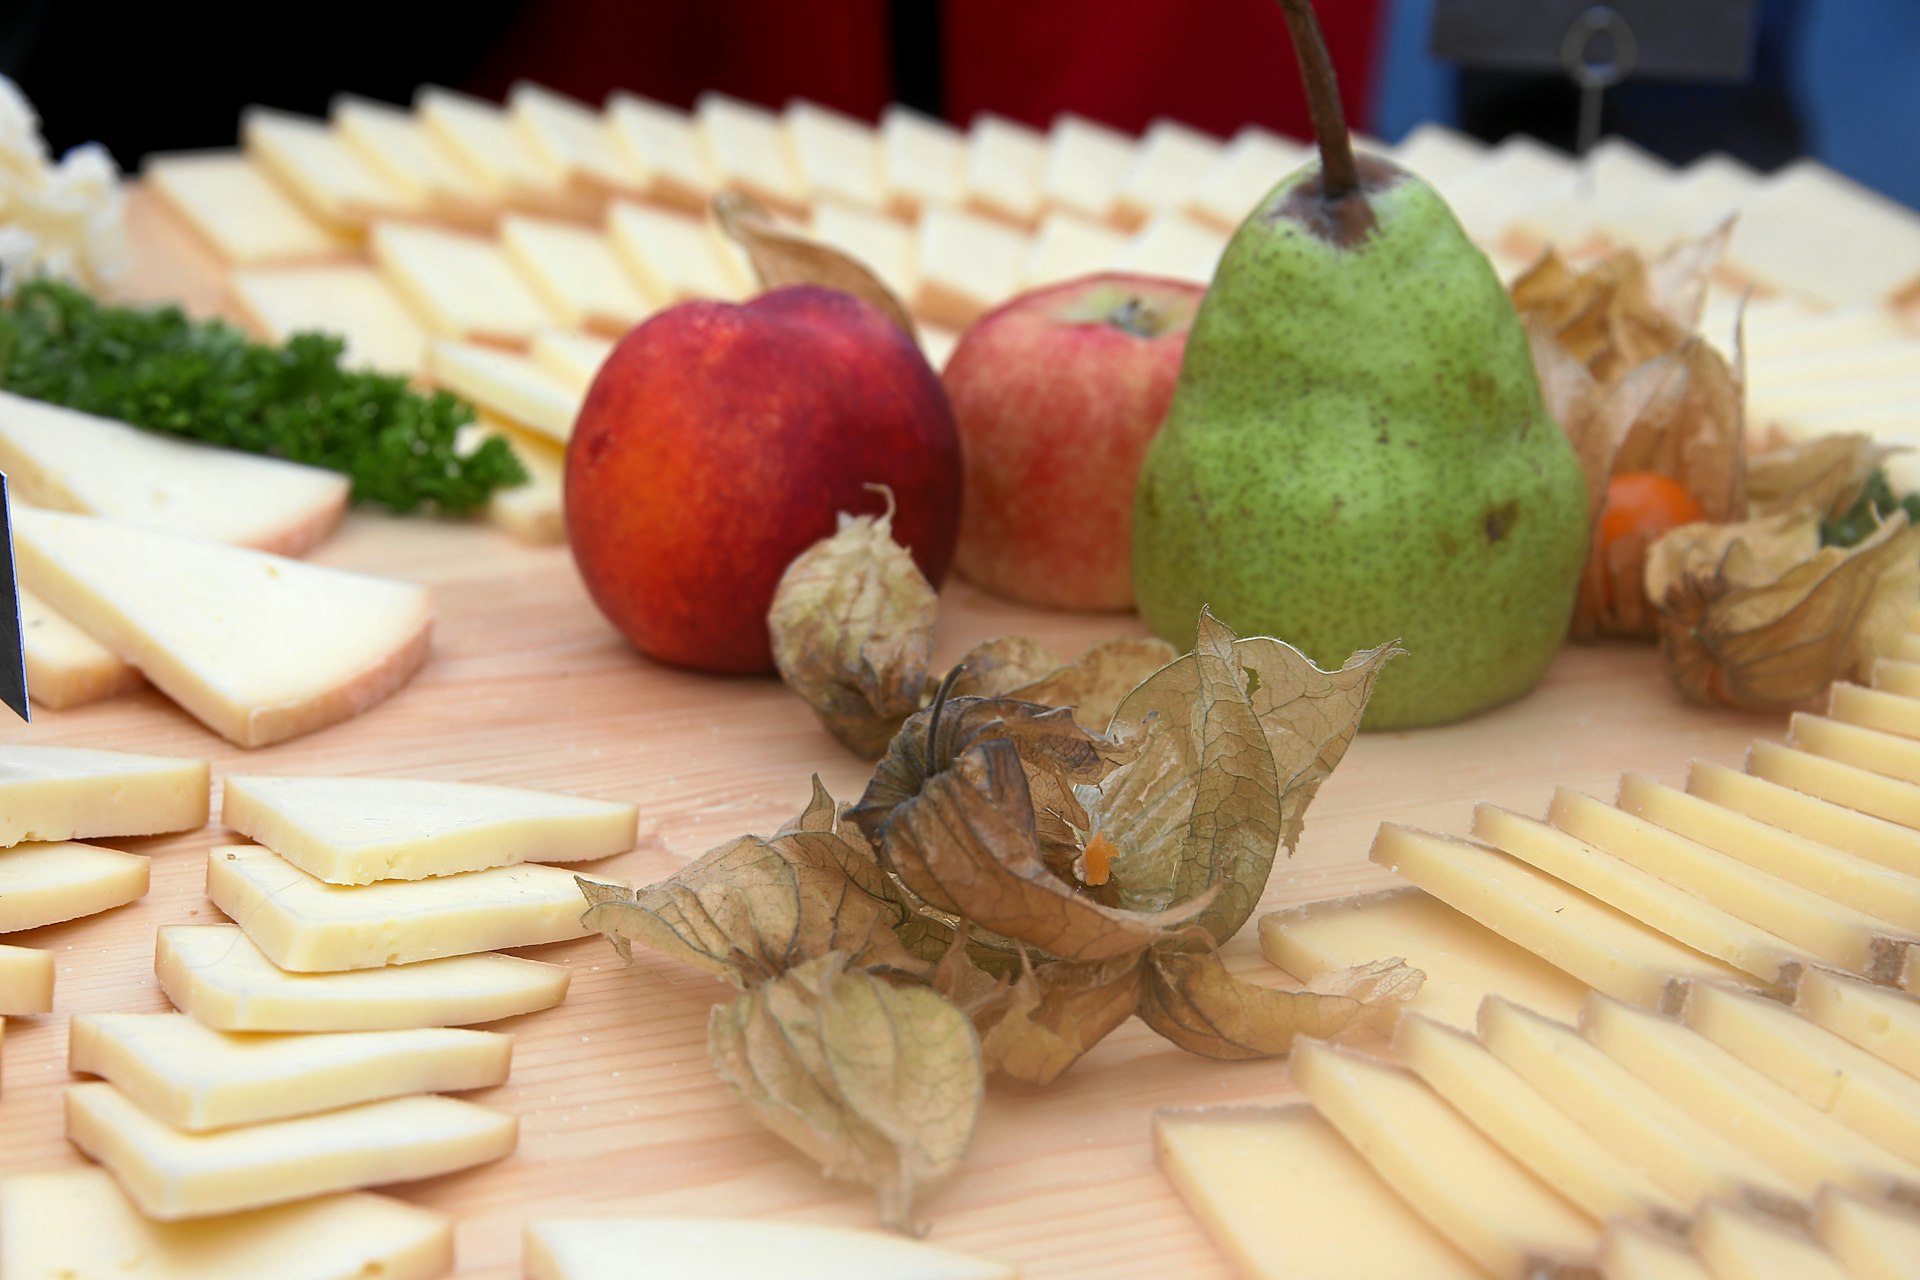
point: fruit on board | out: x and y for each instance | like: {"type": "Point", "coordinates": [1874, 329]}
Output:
{"type": "Point", "coordinates": [1057, 394]}
{"type": "Point", "coordinates": [718, 442]}
{"type": "Point", "coordinates": [1357, 450]}
{"type": "Point", "coordinates": [1643, 504]}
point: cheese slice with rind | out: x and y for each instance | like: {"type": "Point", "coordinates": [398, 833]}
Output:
{"type": "Point", "coordinates": [1750, 1246]}
{"type": "Point", "coordinates": [400, 147]}
{"type": "Point", "coordinates": [1084, 166]}
{"type": "Point", "coordinates": [195, 1078]}
{"type": "Point", "coordinates": [838, 157]}
{"type": "Point", "coordinates": [1169, 163]}
{"type": "Point", "coordinates": [575, 272]}
{"type": "Point", "coordinates": [77, 1224]}
{"type": "Point", "coordinates": [458, 285]}
{"type": "Point", "coordinates": [1633, 1252]}
{"type": "Point", "coordinates": [1850, 785]}
{"type": "Point", "coordinates": [1770, 801]}
{"type": "Point", "coordinates": [173, 1175]}
{"type": "Point", "coordinates": [1004, 161]}
{"type": "Point", "coordinates": [259, 648]}
{"type": "Point", "coordinates": [1873, 1240]}
{"type": "Point", "coordinates": [69, 461]}
{"type": "Point", "coordinates": [350, 302]}
{"type": "Point", "coordinates": [310, 926]}
{"type": "Point", "coordinates": [483, 139]}
{"type": "Point", "coordinates": [1267, 1183]}
{"type": "Point", "coordinates": [66, 667]}
{"type": "Point", "coordinates": [574, 358]}
{"type": "Point", "coordinates": [736, 1249]}
{"type": "Point", "coordinates": [42, 884]}
{"type": "Point", "coordinates": [570, 138]}
{"type": "Point", "coordinates": [923, 161]}
{"type": "Point", "coordinates": [26, 981]}
{"type": "Point", "coordinates": [673, 257]}
{"type": "Point", "coordinates": [534, 512]}
{"type": "Point", "coordinates": [1247, 168]}
{"type": "Point", "coordinates": [358, 830]}
{"type": "Point", "coordinates": [506, 385]}
{"type": "Point", "coordinates": [1885, 1023]}
{"type": "Point", "coordinates": [658, 142]}
{"type": "Point", "coordinates": [322, 170]}
{"type": "Point", "coordinates": [216, 974]}
{"type": "Point", "coordinates": [238, 210]}
{"type": "Point", "coordinates": [64, 793]}
{"type": "Point", "coordinates": [746, 150]}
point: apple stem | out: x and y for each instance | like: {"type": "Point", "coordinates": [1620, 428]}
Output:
{"type": "Point", "coordinates": [1339, 174]}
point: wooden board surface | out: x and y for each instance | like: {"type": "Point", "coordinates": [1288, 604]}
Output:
{"type": "Point", "coordinates": [619, 1108]}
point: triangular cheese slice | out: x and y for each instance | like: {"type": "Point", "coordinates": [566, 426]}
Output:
{"type": "Point", "coordinates": [55, 457]}
{"type": "Point", "coordinates": [26, 980]}
{"type": "Point", "coordinates": [259, 648]}
{"type": "Point", "coordinates": [66, 793]}
{"type": "Point", "coordinates": [358, 830]}
{"type": "Point", "coordinates": [66, 667]}
{"type": "Point", "coordinates": [736, 1249]}
{"type": "Point", "coordinates": [43, 884]}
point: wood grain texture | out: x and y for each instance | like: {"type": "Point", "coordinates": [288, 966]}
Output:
{"type": "Point", "coordinates": [620, 1110]}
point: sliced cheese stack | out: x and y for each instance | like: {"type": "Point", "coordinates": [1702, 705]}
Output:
{"type": "Point", "coordinates": [238, 210]}
{"type": "Point", "coordinates": [320, 169]}
{"type": "Point", "coordinates": [483, 141]}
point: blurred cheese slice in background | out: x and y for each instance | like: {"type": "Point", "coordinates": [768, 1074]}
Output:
{"type": "Point", "coordinates": [533, 512]}
{"type": "Point", "coordinates": [676, 258]}
{"type": "Point", "coordinates": [70, 461]}
{"type": "Point", "coordinates": [736, 1249]}
{"type": "Point", "coordinates": [658, 143]}
{"type": "Point", "coordinates": [1435, 152]}
{"type": "Point", "coordinates": [745, 150]}
{"type": "Point", "coordinates": [573, 358]}
{"type": "Point", "coordinates": [481, 137]}
{"type": "Point", "coordinates": [1172, 244]}
{"type": "Point", "coordinates": [1069, 245]}
{"type": "Point", "coordinates": [1168, 164]}
{"type": "Point", "coordinates": [506, 385]}
{"type": "Point", "coordinates": [47, 883]}
{"type": "Point", "coordinates": [26, 981]}
{"type": "Point", "coordinates": [399, 146]}
{"type": "Point", "coordinates": [351, 302]}
{"type": "Point", "coordinates": [1247, 168]}
{"type": "Point", "coordinates": [1737, 1245]}
{"type": "Point", "coordinates": [968, 265]}
{"type": "Point", "coordinates": [79, 1223]}
{"type": "Point", "coordinates": [888, 247]}
{"type": "Point", "coordinates": [1514, 177]}
{"type": "Point", "coordinates": [333, 181]}
{"type": "Point", "coordinates": [1614, 175]}
{"type": "Point", "coordinates": [1872, 1239]}
{"type": "Point", "coordinates": [1004, 163]}
{"type": "Point", "coordinates": [458, 285]}
{"type": "Point", "coordinates": [66, 667]}
{"type": "Point", "coordinates": [239, 211]}
{"type": "Point", "coordinates": [575, 272]}
{"type": "Point", "coordinates": [1699, 198]}
{"type": "Point", "coordinates": [259, 648]}
{"type": "Point", "coordinates": [1810, 231]}
{"type": "Point", "coordinates": [1084, 166]}
{"type": "Point", "coordinates": [923, 161]}
{"type": "Point", "coordinates": [571, 139]}
{"type": "Point", "coordinates": [65, 793]}
{"type": "Point", "coordinates": [1631, 1251]}
{"type": "Point", "coordinates": [838, 157]}
{"type": "Point", "coordinates": [214, 973]}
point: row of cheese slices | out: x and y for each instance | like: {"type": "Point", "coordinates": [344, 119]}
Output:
{"type": "Point", "coordinates": [1674, 1036]}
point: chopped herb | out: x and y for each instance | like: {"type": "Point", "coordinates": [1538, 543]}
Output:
{"type": "Point", "coordinates": [1876, 502]}
{"type": "Point", "coordinates": [155, 368]}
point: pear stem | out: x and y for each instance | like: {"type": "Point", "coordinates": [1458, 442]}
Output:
{"type": "Point", "coordinates": [1339, 175]}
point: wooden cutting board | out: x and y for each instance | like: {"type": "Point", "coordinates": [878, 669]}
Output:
{"type": "Point", "coordinates": [619, 1108]}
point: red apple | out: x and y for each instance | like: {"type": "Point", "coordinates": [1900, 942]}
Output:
{"type": "Point", "coordinates": [718, 442]}
{"type": "Point", "coordinates": [1057, 394]}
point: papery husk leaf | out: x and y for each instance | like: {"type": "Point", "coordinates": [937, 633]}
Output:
{"type": "Point", "coordinates": [1606, 316]}
{"type": "Point", "coordinates": [1235, 740]}
{"type": "Point", "coordinates": [1824, 475]}
{"type": "Point", "coordinates": [852, 631]}
{"type": "Point", "coordinates": [1679, 279]}
{"type": "Point", "coordinates": [1573, 398]}
{"type": "Point", "coordinates": [1053, 1013]}
{"type": "Point", "coordinates": [1095, 683]}
{"type": "Point", "coordinates": [1192, 999]}
{"type": "Point", "coordinates": [1758, 615]}
{"type": "Point", "coordinates": [995, 668]}
{"type": "Point", "coordinates": [782, 256]}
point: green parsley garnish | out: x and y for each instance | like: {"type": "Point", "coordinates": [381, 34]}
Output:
{"type": "Point", "coordinates": [1876, 502]}
{"type": "Point", "coordinates": [157, 369]}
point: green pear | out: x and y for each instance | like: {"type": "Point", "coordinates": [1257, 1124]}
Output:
{"type": "Point", "coordinates": [1357, 450]}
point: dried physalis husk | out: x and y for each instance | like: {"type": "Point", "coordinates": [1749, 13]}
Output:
{"type": "Point", "coordinates": [1760, 615]}
{"type": "Point", "coordinates": [783, 256]}
{"type": "Point", "coordinates": [1824, 475]}
{"type": "Point", "coordinates": [1192, 999]}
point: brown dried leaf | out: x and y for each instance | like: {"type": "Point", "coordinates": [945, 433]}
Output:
{"type": "Point", "coordinates": [1054, 1012]}
{"type": "Point", "coordinates": [782, 256]}
{"type": "Point", "coordinates": [1192, 999]}
{"type": "Point", "coordinates": [1759, 615]}
{"type": "Point", "coordinates": [1824, 475]}
{"type": "Point", "coordinates": [852, 630]}
{"type": "Point", "coordinates": [1094, 684]}
{"type": "Point", "coordinates": [1573, 398]}
{"type": "Point", "coordinates": [995, 668]}
{"type": "Point", "coordinates": [1677, 281]}
{"type": "Point", "coordinates": [880, 1084]}
{"type": "Point", "coordinates": [1607, 316]}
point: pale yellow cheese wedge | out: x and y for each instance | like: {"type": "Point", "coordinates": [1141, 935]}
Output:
{"type": "Point", "coordinates": [198, 1079]}
{"type": "Point", "coordinates": [1247, 168]}
{"type": "Point", "coordinates": [1822, 1069]}
{"type": "Point", "coordinates": [674, 257]}
{"type": "Point", "coordinates": [1893, 676]}
{"type": "Point", "coordinates": [352, 303]}
{"type": "Point", "coordinates": [63, 793]}
{"type": "Point", "coordinates": [322, 170]}
{"type": "Point", "coordinates": [1084, 166]}
{"type": "Point", "coordinates": [1467, 1189]}
{"type": "Point", "coordinates": [77, 1224]}
{"type": "Point", "coordinates": [238, 210]}
{"type": "Point", "coordinates": [1004, 160]}
{"type": "Point", "coordinates": [1464, 961]}
{"type": "Point", "coordinates": [1884, 1023]}
{"type": "Point", "coordinates": [257, 647]}
{"type": "Point", "coordinates": [407, 155]}
{"type": "Point", "coordinates": [310, 926]}
{"type": "Point", "coordinates": [746, 151]}
{"type": "Point", "coordinates": [1698, 199]}
{"type": "Point", "coordinates": [736, 1249]}
{"type": "Point", "coordinates": [358, 830]}
{"type": "Point", "coordinates": [1641, 1125]}
{"type": "Point", "coordinates": [575, 272]}
{"type": "Point", "coordinates": [1686, 917]}
{"type": "Point", "coordinates": [483, 140]}
{"type": "Point", "coordinates": [1594, 943]}
{"type": "Point", "coordinates": [506, 385]}
{"type": "Point", "coordinates": [1630, 1251]}
{"type": "Point", "coordinates": [70, 461]}
{"type": "Point", "coordinates": [923, 161]}
{"type": "Point", "coordinates": [1838, 934]}
{"type": "Point", "coordinates": [1169, 163]}
{"type": "Point", "coordinates": [1172, 244]}
{"type": "Point", "coordinates": [1266, 1182]}
{"type": "Point", "coordinates": [1436, 152]}
{"type": "Point", "coordinates": [214, 973]}
{"type": "Point", "coordinates": [1772, 801]}
{"type": "Point", "coordinates": [66, 667]}
{"type": "Point", "coordinates": [171, 1174]}
{"type": "Point", "coordinates": [1888, 754]}
{"type": "Point", "coordinates": [1614, 175]}
{"type": "Point", "coordinates": [46, 883]}
{"type": "Point", "coordinates": [1819, 869]}
{"type": "Point", "coordinates": [1804, 1145]}
{"type": "Point", "coordinates": [571, 139]}
{"type": "Point", "coordinates": [1871, 1239]}
{"type": "Point", "coordinates": [1850, 785]}
{"type": "Point", "coordinates": [26, 981]}
{"type": "Point", "coordinates": [838, 157]}
{"type": "Point", "coordinates": [1867, 248]}
{"type": "Point", "coordinates": [968, 265]}
{"type": "Point", "coordinates": [1069, 245]}
{"type": "Point", "coordinates": [458, 286]}
{"type": "Point", "coordinates": [534, 512]}
{"type": "Point", "coordinates": [1749, 1246]}
{"type": "Point", "coordinates": [1522, 1122]}
{"type": "Point", "coordinates": [887, 246]}
{"type": "Point", "coordinates": [659, 144]}
{"type": "Point", "coordinates": [574, 358]}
